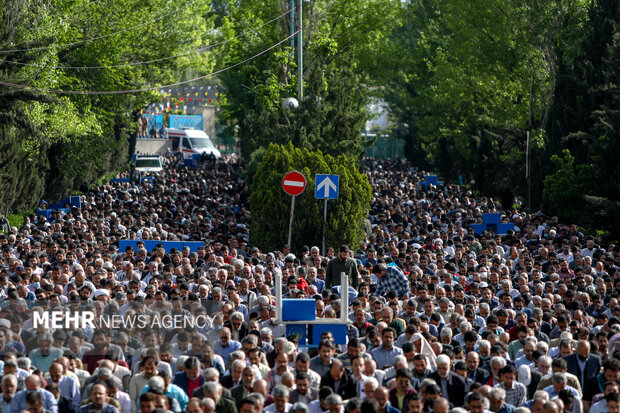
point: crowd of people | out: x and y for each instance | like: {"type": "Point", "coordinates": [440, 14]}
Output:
{"type": "Point", "coordinates": [441, 319]}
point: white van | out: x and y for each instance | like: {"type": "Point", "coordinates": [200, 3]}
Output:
{"type": "Point", "coordinates": [192, 141]}
{"type": "Point", "coordinates": [149, 164]}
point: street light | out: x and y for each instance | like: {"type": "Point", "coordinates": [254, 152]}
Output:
{"type": "Point", "coordinates": [290, 103]}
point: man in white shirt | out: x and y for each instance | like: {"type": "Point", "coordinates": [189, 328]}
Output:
{"type": "Point", "coordinates": [280, 404]}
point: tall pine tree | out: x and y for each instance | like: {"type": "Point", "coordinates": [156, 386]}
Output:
{"type": "Point", "coordinates": [585, 118]}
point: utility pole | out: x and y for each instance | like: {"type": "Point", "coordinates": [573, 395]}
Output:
{"type": "Point", "coordinates": [528, 172]}
{"type": "Point", "coordinates": [300, 52]}
{"type": "Point", "coordinates": [292, 27]}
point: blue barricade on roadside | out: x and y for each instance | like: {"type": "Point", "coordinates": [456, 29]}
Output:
{"type": "Point", "coordinates": [168, 245]}
{"type": "Point", "coordinates": [47, 212]}
{"type": "Point", "coordinates": [74, 201]}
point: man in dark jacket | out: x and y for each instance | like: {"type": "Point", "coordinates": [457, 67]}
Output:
{"type": "Point", "coordinates": [474, 371]}
{"type": "Point", "coordinates": [343, 263]}
{"type": "Point", "coordinates": [190, 379]}
{"type": "Point", "coordinates": [596, 385]}
{"type": "Point", "coordinates": [452, 385]}
{"type": "Point", "coordinates": [340, 380]}
{"type": "Point", "coordinates": [247, 380]}
{"type": "Point", "coordinates": [403, 390]}
{"type": "Point", "coordinates": [583, 364]}
{"type": "Point", "coordinates": [64, 404]}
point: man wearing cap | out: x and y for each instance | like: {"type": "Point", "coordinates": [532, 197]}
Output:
{"type": "Point", "coordinates": [102, 295]}
{"type": "Point", "coordinates": [343, 263]}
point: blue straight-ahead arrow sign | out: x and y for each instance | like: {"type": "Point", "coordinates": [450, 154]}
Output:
{"type": "Point", "coordinates": [327, 186]}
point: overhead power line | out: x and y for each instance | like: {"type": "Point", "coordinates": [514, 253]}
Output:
{"type": "Point", "coordinates": [145, 62]}
{"type": "Point", "coordinates": [147, 89]}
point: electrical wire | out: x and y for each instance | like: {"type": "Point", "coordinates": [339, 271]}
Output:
{"type": "Point", "coordinates": [102, 36]}
{"type": "Point", "coordinates": [200, 49]}
{"type": "Point", "coordinates": [147, 89]}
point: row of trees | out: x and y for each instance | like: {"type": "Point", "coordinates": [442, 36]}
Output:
{"type": "Point", "coordinates": [342, 43]}
{"type": "Point", "coordinates": [466, 81]}
{"type": "Point", "coordinates": [51, 142]}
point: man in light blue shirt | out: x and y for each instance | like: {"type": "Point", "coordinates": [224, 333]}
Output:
{"type": "Point", "coordinates": [9, 387]}
{"type": "Point", "coordinates": [33, 383]}
{"type": "Point", "coordinates": [43, 356]}
{"type": "Point", "coordinates": [559, 383]}
{"type": "Point", "coordinates": [69, 386]}
{"type": "Point", "coordinates": [226, 345]}
{"type": "Point", "coordinates": [527, 358]}
{"type": "Point", "coordinates": [312, 279]}
{"type": "Point", "coordinates": [384, 355]}
{"type": "Point", "coordinates": [169, 389]}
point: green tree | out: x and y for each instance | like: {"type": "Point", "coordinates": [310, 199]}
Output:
{"type": "Point", "coordinates": [585, 121]}
{"type": "Point", "coordinates": [270, 206]}
{"type": "Point", "coordinates": [21, 176]}
{"type": "Point", "coordinates": [21, 173]}
{"type": "Point", "coordinates": [566, 189]}
{"type": "Point", "coordinates": [66, 139]}
{"type": "Point", "coordinates": [462, 78]}
{"type": "Point", "coordinates": [339, 54]}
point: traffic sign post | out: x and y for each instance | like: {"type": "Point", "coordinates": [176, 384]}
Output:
{"type": "Point", "coordinates": [327, 187]}
{"type": "Point", "coordinates": [293, 183]}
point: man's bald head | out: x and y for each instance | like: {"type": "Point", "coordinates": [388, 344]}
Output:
{"type": "Point", "coordinates": [33, 382]}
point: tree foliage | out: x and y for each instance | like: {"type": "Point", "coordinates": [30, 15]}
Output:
{"type": "Point", "coordinates": [62, 140]}
{"type": "Point", "coordinates": [567, 187]}
{"type": "Point", "coordinates": [341, 43]}
{"type": "Point", "coordinates": [270, 206]}
{"type": "Point", "coordinates": [586, 121]}
{"type": "Point", "coordinates": [466, 81]}
{"type": "Point", "coordinates": [461, 77]}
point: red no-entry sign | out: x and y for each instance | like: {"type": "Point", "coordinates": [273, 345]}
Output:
{"type": "Point", "coordinates": [293, 183]}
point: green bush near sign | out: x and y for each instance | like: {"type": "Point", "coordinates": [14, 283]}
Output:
{"type": "Point", "coordinates": [270, 206]}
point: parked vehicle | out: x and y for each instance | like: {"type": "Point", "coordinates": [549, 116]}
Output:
{"type": "Point", "coordinates": [148, 164]}
{"type": "Point", "coordinates": [192, 141]}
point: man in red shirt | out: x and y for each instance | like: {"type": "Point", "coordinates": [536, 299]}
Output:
{"type": "Point", "coordinates": [92, 357]}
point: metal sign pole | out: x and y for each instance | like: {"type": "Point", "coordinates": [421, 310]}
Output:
{"type": "Point", "coordinates": [290, 221]}
{"type": "Point", "coordinates": [344, 298]}
{"type": "Point", "coordinates": [278, 291]}
{"type": "Point", "coordinates": [324, 225]}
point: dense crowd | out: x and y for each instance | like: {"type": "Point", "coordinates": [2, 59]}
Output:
{"type": "Point", "coordinates": [441, 319]}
